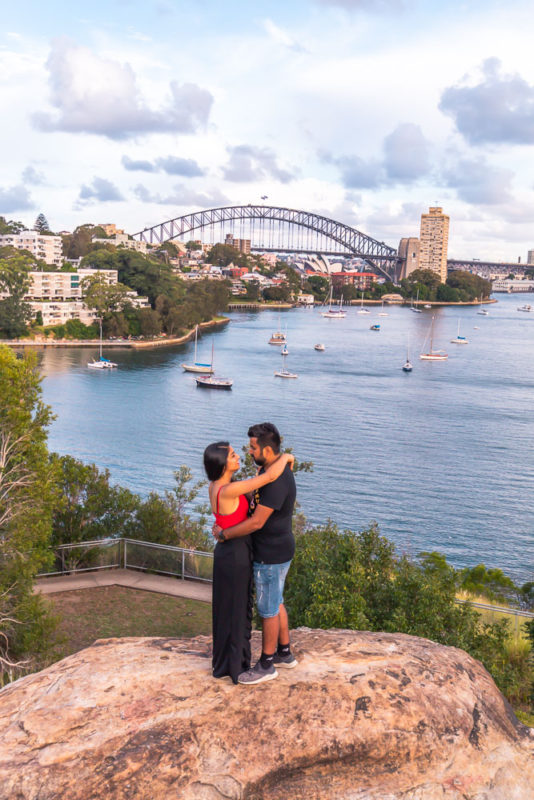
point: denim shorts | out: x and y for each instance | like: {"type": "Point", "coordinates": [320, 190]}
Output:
{"type": "Point", "coordinates": [269, 580]}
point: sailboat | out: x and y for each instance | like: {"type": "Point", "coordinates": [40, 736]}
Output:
{"type": "Point", "coordinates": [459, 339]}
{"type": "Point", "coordinates": [433, 355]}
{"type": "Point", "coordinates": [102, 363]}
{"type": "Point", "coordinates": [334, 313]}
{"type": "Point", "coordinates": [482, 311]}
{"type": "Point", "coordinates": [415, 309]}
{"type": "Point", "coordinates": [210, 381]}
{"type": "Point", "coordinates": [284, 373]}
{"type": "Point", "coordinates": [284, 351]}
{"type": "Point", "coordinates": [383, 313]}
{"type": "Point", "coordinates": [363, 310]}
{"type": "Point", "coordinates": [198, 366]}
{"type": "Point", "coordinates": [278, 337]}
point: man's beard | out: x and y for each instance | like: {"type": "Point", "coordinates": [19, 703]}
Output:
{"type": "Point", "coordinates": [260, 461]}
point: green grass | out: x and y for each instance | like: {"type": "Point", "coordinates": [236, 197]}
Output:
{"type": "Point", "coordinates": [114, 611]}
{"type": "Point", "coordinates": [525, 718]}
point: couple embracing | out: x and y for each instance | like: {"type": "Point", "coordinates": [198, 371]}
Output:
{"type": "Point", "coordinates": [253, 528]}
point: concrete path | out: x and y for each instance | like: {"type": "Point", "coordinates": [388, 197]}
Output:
{"type": "Point", "coordinates": [132, 579]}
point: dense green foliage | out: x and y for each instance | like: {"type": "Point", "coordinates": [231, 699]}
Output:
{"type": "Point", "coordinates": [89, 507]}
{"type": "Point", "coordinates": [460, 287]}
{"type": "Point", "coordinates": [343, 579]}
{"type": "Point", "coordinates": [15, 312]}
{"type": "Point", "coordinates": [10, 226]}
{"type": "Point", "coordinates": [27, 496]}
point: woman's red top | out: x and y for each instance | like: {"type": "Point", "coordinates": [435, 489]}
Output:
{"type": "Point", "coordinates": [237, 516]}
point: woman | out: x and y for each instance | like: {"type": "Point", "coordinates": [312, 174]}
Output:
{"type": "Point", "coordinates": [232, 562]}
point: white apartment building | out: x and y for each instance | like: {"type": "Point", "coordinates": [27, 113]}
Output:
{"type": "Point", "coordinates": [122, 240]}
{"type": "Point", "coordinates": [59, 295]}
{"type": "Point", "coordinates": [47, 248]}
{"type": "Point", "coordinates": [64, 285]}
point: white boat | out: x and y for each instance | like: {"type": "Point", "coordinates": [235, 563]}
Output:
{"type": "Point", "coordinates": [414, 308]}
{"type": "Point", "coordinates": [284, 351]}
{"type": "Point", "coordinates": [525, 308]}
{"type": "Point", "coordinates": [427, 305]}
{"type": "Point", "coordinates": [284, 373]}
{"type": "Point", "coordinates": [211, 382]}
{"type": "Point", "coordinates": [101, 362]}
{"type": "Point", "coordinates": [433, 355]}
{"type": "Point", "coordinates": [334, 313]}
{"type": "Point", "coordinates": [459, 339]}
{"type": "Point", "coordinates": [198, 366]}
{"type": "Point", "coordinates": [407, 366]}
{"type": "Point", "coordinates": [483, 312]}
{"type": "Point", "coordinates": [383, 313]}
{"type": "Point", "coordinates": [319, 347]}
{"type": "Point", "coordinates": [363, 310]}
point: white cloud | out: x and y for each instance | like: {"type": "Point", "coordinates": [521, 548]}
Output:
{"type": "Point", "coordinates": [183, 196]}
{"type": "Point", "coordinates": [92, 94]}
{"type": "Point", "coordinates": [247, 164]}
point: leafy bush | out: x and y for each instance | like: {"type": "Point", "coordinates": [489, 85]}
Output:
{"type": "Point", "coordinates": [345, 579]}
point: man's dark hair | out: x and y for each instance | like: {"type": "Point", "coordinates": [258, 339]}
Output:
{"type": "Point", "coordinates": [267, 435]}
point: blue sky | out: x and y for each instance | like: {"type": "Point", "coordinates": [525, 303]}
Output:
{"type": "Point", "coordinates": [367, 111]}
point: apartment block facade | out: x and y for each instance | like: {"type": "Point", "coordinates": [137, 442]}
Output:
{"type": "Point", "coordinates": [47, 248]}
{"type": "Point", "coordinates": [434, 241]}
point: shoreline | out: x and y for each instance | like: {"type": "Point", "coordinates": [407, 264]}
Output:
{"type": "Point", "coordinates": [353, 303]}
{"type": "Point", "coordinates": [109, 343]}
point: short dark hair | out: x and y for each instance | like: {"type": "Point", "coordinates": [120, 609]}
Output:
{"type": "Point", "coordinates": [215, 457]}
{"type": "Point", "coordinates": [267, 435]}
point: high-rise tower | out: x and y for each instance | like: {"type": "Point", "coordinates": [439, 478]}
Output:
{"type": "Point", "coordinates": [434, 240]}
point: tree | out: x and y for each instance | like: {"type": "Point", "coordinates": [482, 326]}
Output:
{"type": "Point", "coordinates": [319, 287]}
{"type": "Point", "coordinates": [10, 226]}
{"type": "Point", "coordinates": [15, 312]}
{"type": "Point", "coordinates": [277, 294]}
{"type": "Point", "coordinates": [79, 243]}
{"type": "Point", "coordinates": [27, 494]}
{"type": "Point", "coordinates": [104, 297]}
{"type": "Point", "coordinates": [41, 224]}
{"type": "Point", "coordinates": [150, 322]}
{"type": "Point", "coordinates": [89, 507]}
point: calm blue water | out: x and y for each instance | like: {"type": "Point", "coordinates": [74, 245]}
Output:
{"type": "Point", "coordinates": [441, 458]}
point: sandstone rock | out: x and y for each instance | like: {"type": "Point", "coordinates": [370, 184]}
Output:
{"type": "Point", "coordinates": [364, 716]}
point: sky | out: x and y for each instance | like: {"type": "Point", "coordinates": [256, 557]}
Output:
{"type": "Point", "coordinates": [364, 111]}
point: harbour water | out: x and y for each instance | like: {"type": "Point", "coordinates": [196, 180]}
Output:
{"type": "Point", "coordinates": [440, 458]}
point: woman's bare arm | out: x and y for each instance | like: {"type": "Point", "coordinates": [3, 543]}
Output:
{"type": "Point", "coordinates": [237, 488]}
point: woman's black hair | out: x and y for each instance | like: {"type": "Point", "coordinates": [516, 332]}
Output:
{"type": "Point", "coordinates": [215, 456]}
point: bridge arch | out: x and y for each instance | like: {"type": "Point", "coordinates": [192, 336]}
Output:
{"type": "Point", "coordinates": [351, 241]}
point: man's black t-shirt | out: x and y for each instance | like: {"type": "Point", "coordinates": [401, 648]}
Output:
{"type": "Point", "coordinates": [275, 543]}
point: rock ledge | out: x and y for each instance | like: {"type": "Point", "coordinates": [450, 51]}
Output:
{"type": "Point", "coordinates": [364, 716]}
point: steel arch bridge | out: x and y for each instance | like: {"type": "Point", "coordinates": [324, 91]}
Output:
{"type": "Point", "coordinates": [271, 228]}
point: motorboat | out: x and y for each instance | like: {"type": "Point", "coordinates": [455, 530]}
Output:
{"type": "Point", "coordinates": [526, 308]}
{"type": "Point", "coordinates": [427, 305]}
{"type": "Point", "coordinates": [483, 313]}
{"type": "Point", "coordinates": [459, 339]}
{"type": "Point", "coordinates": [278, 337]}
{"type": "Point", "coordinates": [198, 366]}
{"type": "Point", "coordinates": [433, 355]}
{"type": "Point", "coordinates": [375, 327]}
{"type": "Point", "coordinates": [319, 347]}
{"type": "Point", "coordinates": [211, 382]}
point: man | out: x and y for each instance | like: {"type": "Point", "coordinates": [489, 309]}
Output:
{"type": "Point", "coordinates": [273, 546]}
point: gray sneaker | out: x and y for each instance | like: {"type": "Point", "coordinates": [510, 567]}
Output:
{"type": "Point", "coordinates": [287, 662]}
{"type": "Point", "coordinates": [257, 674]}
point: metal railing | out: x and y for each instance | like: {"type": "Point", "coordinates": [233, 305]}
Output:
{"type": "Point", "coordinates": [127, 553]}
